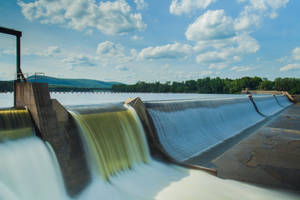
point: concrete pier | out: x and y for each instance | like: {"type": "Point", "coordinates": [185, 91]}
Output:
{"type": "Point", "coordinates": [55, 125]}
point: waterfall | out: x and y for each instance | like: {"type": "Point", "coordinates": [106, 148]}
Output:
{"type": "Point", "coordinates": [29, 171]}
{"type": "Point", "coordinates": [14, 124]}
{"type": "Point", "coordinates": [115, 138]}
{"type": "Point", "coordinates": [188, 128]}
{"type": "Point", "coordinates": [267, 105]}
{"type": "Point", "coordinates": [283, 100]}
{"type": "Point", "coordinates": [118, 154]}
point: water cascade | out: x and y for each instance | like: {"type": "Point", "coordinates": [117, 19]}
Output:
{"type": "Point", "coordinates": [114, 138]}
{"type": "Point", "coordinates": [267, 105]}
{"type": "Point", "coordinates": [29, 171]}
{"type": "Point", "coordinates": [118, 153]}
{"type": "Point", "coordinates": [15, 123]}
{"type": "Point", "coordinates": [116, 141]}
{"type": "Point", "coordinates": [188, 128]}
{"type": "Point", "coordinates": [283, 100]}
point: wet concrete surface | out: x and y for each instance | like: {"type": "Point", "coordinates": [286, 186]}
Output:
{"type": "Point", "coordinates": [269, 156]}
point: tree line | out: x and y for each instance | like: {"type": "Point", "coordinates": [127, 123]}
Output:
{"type": "Point", "coordinates": [8, 86]}
{"type": "Point", "coordinates": [205, 85]}
{"type": "Point", "coordinates": [214, 85]}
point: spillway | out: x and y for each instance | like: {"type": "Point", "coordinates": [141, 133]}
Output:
{"type": "Point", "coordinates": [116, 142]}
{"type": "Point", "coordinates": [114, 137]}
{"type": "Point", "coordinates": [188, 128]}
{"type": "Point", "coordinates": [14, 124]}
{"type": "Point", "coordinates": [283, 100]}
{"type": "Point", "coordinates": [118, 154]}
{"type": "Point", "coordinates": [267, 105]}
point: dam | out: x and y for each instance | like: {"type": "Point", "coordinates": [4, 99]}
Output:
{"type": "Point", "coordinates": [143, 146]}
{"type": "Point", "coordinates": [181, 147]}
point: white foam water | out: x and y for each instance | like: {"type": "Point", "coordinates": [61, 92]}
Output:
{"type": "Point", "coordinates": [28, 171]}
{"type": "Point", "coordinates": [159, 181]}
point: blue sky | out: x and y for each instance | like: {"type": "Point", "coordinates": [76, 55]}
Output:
{"type": "Point", "coordinates": [158, 40]}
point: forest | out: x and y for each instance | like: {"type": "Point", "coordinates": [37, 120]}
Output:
{"type": "Point", "coordinates": [205, 85]}
{"type": "Point", "coordinates": [214, 85]}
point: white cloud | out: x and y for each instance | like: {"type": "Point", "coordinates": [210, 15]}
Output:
{"type": "Point", "coordinates": [169, 51]}
{"type": "Point", "coordinates": [166, 73]}
{"type": "Point", "coordinates": [108, 17]}
{"type": "Point", "coordinates": [268, 4]}
{"type": "Point", "coordinates": [219, 38]}
{"type": "Point", "coordinates": [8, 51]}
{"type": "Point", "coordinates": [50, 51]}
{"type": "Point", "coordinates": [47, 52]}
{"type": "Point", "coordinates": [109, 53]}
{"type": "Point", "coordinates": [246, 44]}
{"type": "Point", "coordinates": [212, 25]}
{"type": "Point", "coordinates": [295, 56]}
{"type": "Point", "coordinates": [80, 60]}
{"type": "Point", "coordinates": [241, 68]}
{"type": "Point", "coordinates": [247, 19]}
{"type": "Point", "coordinates": [296, 53]}
{"type": "Point", "coordinates": [255, 10]}
{"type": "Point", "coordinates": [108, 48]}
{"type": "Point", "coordinates": [229, 50]}
{"type": "Point", "coordinates": [183, 75]}
{"type": "Point", "coordinates": [140, 4]}
{"type": "Point", "coordinates": [218, 66]}
{"type": "Point", "coordinates": [209, 57]}
{"type": "Point", "coordinates": [290, 67]}
{"type": "Point", "coordinates": [179, 7]}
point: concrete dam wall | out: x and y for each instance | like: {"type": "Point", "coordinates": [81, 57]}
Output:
{"type": "Point", "coordinates": [105, 151]}
{"type": "Point", "coordinates": [267, 105]}
{"type": "Point", "coordinates": [188, 128]}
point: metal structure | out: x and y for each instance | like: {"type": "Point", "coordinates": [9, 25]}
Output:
{"type": "Point", "coordinates": [18, 34]}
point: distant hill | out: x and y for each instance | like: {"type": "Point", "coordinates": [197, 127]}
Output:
{"type": "Point", "coordinates": [77, 83]}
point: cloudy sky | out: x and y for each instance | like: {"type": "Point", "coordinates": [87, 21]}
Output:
{"type": "Point", "coordinates": [157, 40]}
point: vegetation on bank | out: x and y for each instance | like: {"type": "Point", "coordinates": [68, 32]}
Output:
{"type": "Point", "coordinates": [7, 86]}
{"type": "Point", "coordinates": [214, 85]}
{"type": "Point", "coordinates": [205, 85]}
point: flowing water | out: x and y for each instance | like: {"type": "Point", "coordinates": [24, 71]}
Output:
{"type": "Point", "coordinates": [119, 159]}
{"type": "Point", "coordinates": [29, 171]}
{"type": "Point", "coordinates": [188, 128]}
{"type": "Point", "coordinates": [15, 123]}
{"type": "Point", "coordinates": [114, 138]}
{"type": "Point", "coordinates": [141, 177]}
{"type": "Point", "coordinates": [283, 101]}
{"type": "Point", "coordinates": [267, 105]}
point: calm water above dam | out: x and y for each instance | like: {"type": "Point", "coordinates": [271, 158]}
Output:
{"type": "Point", "coordinates": [6, 99]}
